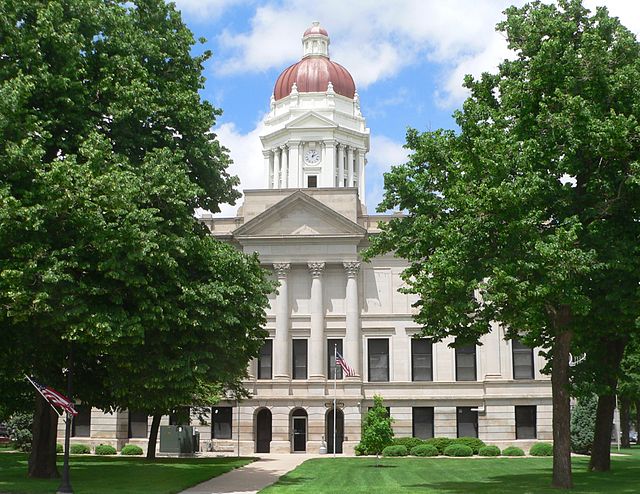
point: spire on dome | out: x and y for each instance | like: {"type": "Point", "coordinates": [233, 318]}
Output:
{"type": "Point", "coordinates": [315, 41]}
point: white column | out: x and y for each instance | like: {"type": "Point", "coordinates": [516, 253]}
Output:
{"type": "Point", "coordinates": [301, 165]}
{"type": "Point", "coordinates": [281, 348]}
{"type": "Point", "coordinates": [352, 316]}
{"type": "Point", "coordinates": [361, 174]}
{"type": "Point", "coordinates": [284, 169]}
{"type": "Point", "coordinates": [316, 350]}
{"type": "Point", "coordinates": [294, 165]}
{"type": "Point", "coordinates": [276, 168]}
{"type": "Point", "coordinates": [349, 166]}
{"type": "Point", "coordinates": [268, 166]}
{"type": "Point", "coordinates": [340, 165]}
{"type": "Point", "coordinates": [329, 165]}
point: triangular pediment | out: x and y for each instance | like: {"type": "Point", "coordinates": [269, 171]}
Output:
{"type": "Point", "coordinates": [311, 120]}
{"type": "Point", "coordinates": [300, 215]}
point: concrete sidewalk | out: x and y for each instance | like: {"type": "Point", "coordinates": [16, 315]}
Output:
{"type": "Point", "coordinates": [252, 477]}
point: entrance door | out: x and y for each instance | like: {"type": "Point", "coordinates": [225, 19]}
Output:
{"type": "Point", "coordinates": [339, 430]}
{"type": "Point", "coordinates": [299, 434]}
{"type": "Point", "coordinates": [263, 431]}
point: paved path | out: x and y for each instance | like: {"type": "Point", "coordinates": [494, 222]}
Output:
{"type": "Point", "coordinates": [252, 477]}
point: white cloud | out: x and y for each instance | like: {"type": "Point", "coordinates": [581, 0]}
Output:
{"type": "Point", "coordinates": [205, 10]}
{"type": "Point", "coordinates": [246, 152]}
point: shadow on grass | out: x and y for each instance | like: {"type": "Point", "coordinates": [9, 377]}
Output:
{"type": "Point", "coordinates": [381, 466]}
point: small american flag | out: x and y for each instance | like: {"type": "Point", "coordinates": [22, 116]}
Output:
{"type": "Point", "coordinates": [55, 398]}
{"type": "Point", "coordinates": [348, 371]}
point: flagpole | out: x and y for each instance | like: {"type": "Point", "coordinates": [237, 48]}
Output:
{"type": "Point", "coordinates": [65, 485]}
{"type": "Point", "coordinates": [335, 393]}
{"type": "Point", "coordinates": [43, 396]}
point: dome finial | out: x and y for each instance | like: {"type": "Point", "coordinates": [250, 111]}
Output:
{"type": "Point", "coordinates": [315, 41]}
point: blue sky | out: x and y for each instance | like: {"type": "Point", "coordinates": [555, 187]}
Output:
{"type": "Point", "coordinates": [407, 57]}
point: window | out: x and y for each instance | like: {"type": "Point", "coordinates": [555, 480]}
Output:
{"type": "Point", "coordinates": [180, 416]}
{"type": "Point", "coordinates": [299, 359]}
{"type": "Point", "coordinates": [466, 363]}
{"type": "Point", "coordinates": [312, 181]}
{"type": "Point", "coordinates": [467, 422]}
{"type": "Point", "coordinates": [264, 360]}
{"type": "Point", "coordinates": [378, 360]}
{"type": "Point", "coordinates": [81, 423]}
{"type": "Point", "coordinates": [522, 360]}
{"type": "Point", "coordinates": [423, 422]}
{"type": "Point", "coordinates": [526, 422]}
{"type": "Point", "coordinates": [138, 425]}
{"type": "Point", "coordinates": [331, 361]}
{"type": "Point", "coordinates": [421, 360]}
{"type": "Point", "coordinates": [221, 422]}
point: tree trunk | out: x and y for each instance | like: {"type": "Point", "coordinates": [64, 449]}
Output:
{"type": "Point", "coordinates": [625, 415]}
{"type": "Point", "coordinates": [561, 409]}
{"type": "Point", "coordinates": [42, 461]}
{"type": "Point", "coordinates": [601, 450]}
{"type": "Point", "coordinates": [153, 436]}
{"type": "Point", "coordinates": [637, 403]}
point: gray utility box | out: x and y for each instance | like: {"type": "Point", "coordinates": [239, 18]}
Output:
{"type": "Point", "coordinates": [179, 439]}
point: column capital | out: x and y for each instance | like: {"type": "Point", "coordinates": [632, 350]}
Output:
{"type": "Point", "coordinates": [316, 268]}
{"type": "Point", "coordinates": [281, 269]}
{"type": "Point", "coordinates": [351, 268]}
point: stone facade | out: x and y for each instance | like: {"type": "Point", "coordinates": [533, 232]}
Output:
{"type": "Point", "coordinates": [309, 226]}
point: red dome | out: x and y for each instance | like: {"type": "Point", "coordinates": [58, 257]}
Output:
{"type": "Point", "coordinates": [316, 29]}
{"type": "Point", "coordinates": [313, 74]}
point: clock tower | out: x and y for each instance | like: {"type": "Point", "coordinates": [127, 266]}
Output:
{"type": "Point", "coordinates": [315, 133]}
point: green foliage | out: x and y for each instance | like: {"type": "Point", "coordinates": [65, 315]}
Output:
{"type": "Point", "coordinates": [473, 442]}
{"type": "Point", "coordinates": [398, 450]}
{"type": "Point", "coordinates": [541, 449]}
{"type": "Point", "coordinates": [19, 427]}
{"type": "Point", "coordinates": [512, 451]}
{"type": "Point", "coordinates": [489, 451]}
{"type": "Point", "coordinates": [440, 443]}
{"type": "Point", "coordinates": [409, 442]}
{"type": "Point", "coordinates": [360, 450]}
{"type": "Point", "coordinates": [583, 424]}
{"type": "Point", "coordinates": [59, 448]}
{"type": "Point", "coordinates": [377, 432]}
{"type": "Point", "coordinates": [105, 449]}
{"type": "Point", "coordinates": [458, 450]}
{"type": "Point", "coordinates": [424, 450]}
{"type": "Point", "coordinates": [79, 449]}
{"type": "Point", "coordinates": [131, 450]}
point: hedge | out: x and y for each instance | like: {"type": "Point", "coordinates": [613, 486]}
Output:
{"type": "Point", "coordinates": [440, 443]}
{"type": "Point", "coordinates": [399, 450]}
{"type": "Point", "coordinates": [409, 442]}
{"type": "Point", "coordinates": [105, 449]}
{"type": "Point", "coordinates": [424, 450]}
{"type": "Point", "coordinates": [458, 450]}
{"type": "Point", "coordinates": [541, 449]}
{"type": "Point", "coordinates": [489, 451]}
{"type": "Point", "coordinates": [512, 451]}
{"type": "Point", "coordinates": [79, 449]}
{"type": "Point", "coordinates": [473, 442]}
{"type": "Point", "coordinates": [131, 450]}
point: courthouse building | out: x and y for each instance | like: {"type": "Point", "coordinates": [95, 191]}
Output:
{"type": "Point", "coordinates": [309, 225]}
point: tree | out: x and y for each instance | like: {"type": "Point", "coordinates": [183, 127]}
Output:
{"type": "Point", "coordinates": [583, 424]}
{"type": "Point", "coordinates": [377, 432]}
{"type": "Point", "coordinates": [512, 218]}
{"type": "Point", "coordinates": [105, 152]}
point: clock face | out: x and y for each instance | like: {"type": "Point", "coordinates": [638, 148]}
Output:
{"type": "Point", "coordinates": [312, 157]}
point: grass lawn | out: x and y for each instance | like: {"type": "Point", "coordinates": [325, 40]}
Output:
{"type": "Point", "coordinates": [453, 475]}
{"type": "Point", "coordinates": [107, 475]}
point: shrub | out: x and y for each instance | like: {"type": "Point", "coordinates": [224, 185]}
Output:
{"type": "Point", "coordinates": [79, 449]}
{"type": "Point", "coordinates": [59, 448]}
{"type": "Point", "coordinates": [512, 451]}
{"type": "Point", "coordinates": [473, 442]}
{"type": "Point", "coordinates": [19, 427]}
{"type": "Point", "coordinates": [583, 424]}
{"type": "Point", "coordinates": [105, 449]}
{"type": "Point", "coordinates": [131, 450]}
{"type": "Point", "coordinates": [360, 450]}
{"type": "Point", "coordinates": [458, 450]}
{"type": "Point", "coordinates": [440, 443]}
{"type": "Point", "coordinates": [409, 442]}
{"type": "Point", "coordinates": [541, 449]}
{"type": "Point", "coordinates": [424, 450]}
{"type": "Point", "coordinates": [399, 450]}
{"type": "Point", "coordinates": [489, 451]}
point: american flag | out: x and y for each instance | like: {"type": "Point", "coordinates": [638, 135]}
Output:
{"type": "Point", "coordinates": [348, 371]}
{"type": "Point", "coordinates": [55, 398]}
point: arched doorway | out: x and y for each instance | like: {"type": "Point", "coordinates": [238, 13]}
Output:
{"type": "Point", "coordinates": [299, 430]}
{"type": "Point", "coordinates": [339, 430]}
{"type": "Point", "coordinates": [263, 431]}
